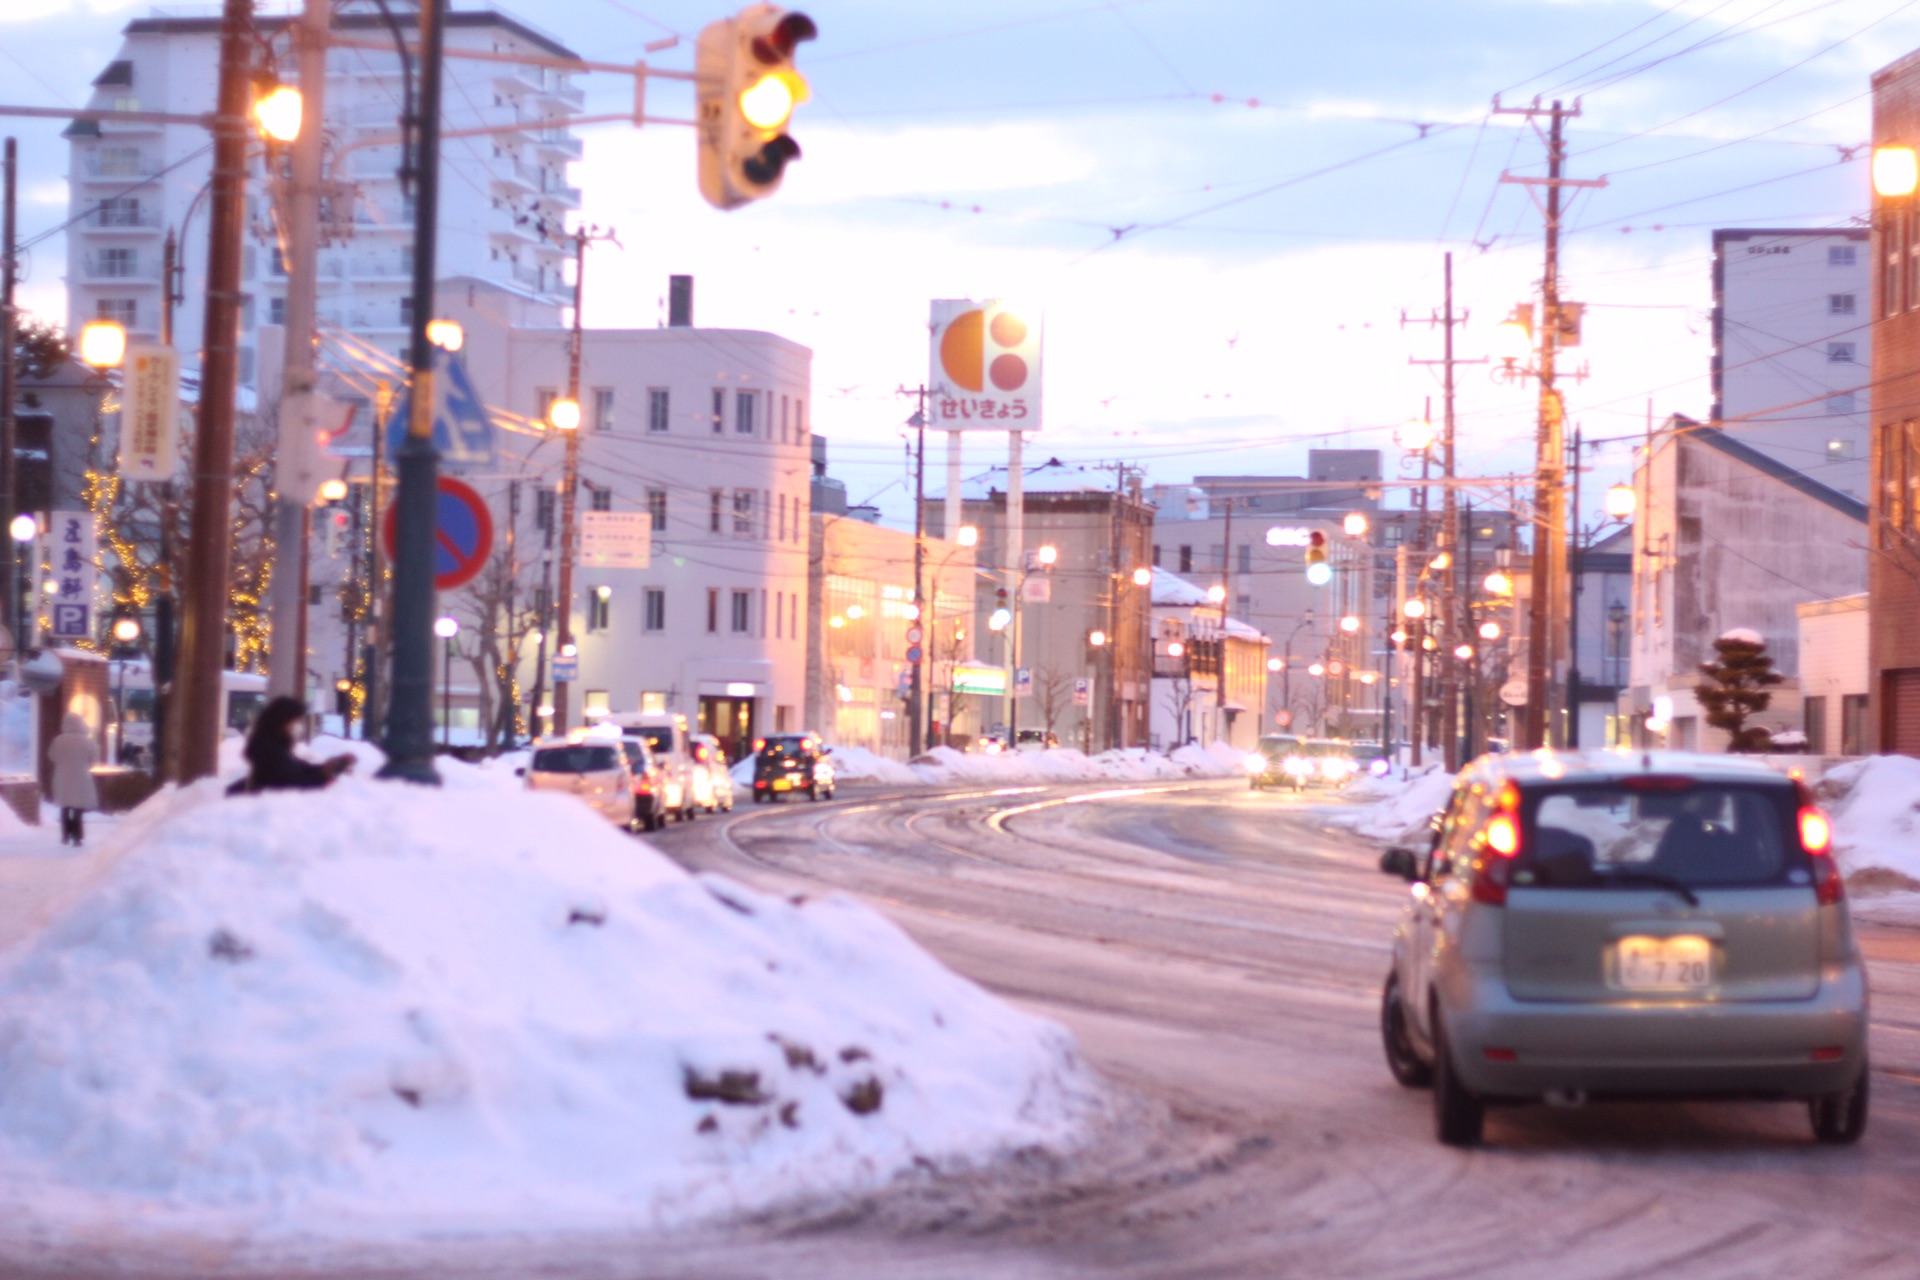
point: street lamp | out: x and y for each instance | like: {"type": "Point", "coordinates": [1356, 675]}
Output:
{"type": "Point", "coordinates": [333, 490]}
{"type": "Point", "coordinates": [1414, 608]}
{"type": "Point", "coordinates": [1350, 624]}
{"type": "Point", "coordinates": [1216, 594]}
{"type": "Point", "coordinates": [1499, 583]}
{"type": "Point", "coordinates": [1896, 172]}
{"type": "Point", "coordinates": [126, 632]}
{"type": "Point", "coordinates": [1489, 631]}
{"type": "Point", "coordinates": [1097, 639]}
{"type": "Point", "coordinates": [103, 344]}
{"type": "Point", "coordinates": [564, 416]}
{"type": "Point", "coordinates": [1142, 577]}
{"type": "Point", "coordinates": [1415, 435]}
{"type": "Point", "coordinates": [277, 113]}
{"type": "Point", "coordinates": [1047, 555]}
{"type": "Point", "coordinates": [446, 628]}
{"type": "Point", "coordinates": [447, 335]}
{"type": "Point", "coordinates": [1621, 501]}
{"type": "Point", "coordinates": [967, 536]}
{"type": "Point", "coordinates": [1355, 524]}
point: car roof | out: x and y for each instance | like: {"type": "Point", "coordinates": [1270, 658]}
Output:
{"type": "Point", "coordinates": [1603, 765]}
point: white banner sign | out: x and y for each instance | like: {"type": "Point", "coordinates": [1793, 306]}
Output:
{"type": "Point", "coordinates": [150, 412]}
{"type": "Point", "coordinates": [616, 539]}
{"type": "Point", "coordinates": [986, 367]}
{"type": "Point", "coordinates": [70, 551]}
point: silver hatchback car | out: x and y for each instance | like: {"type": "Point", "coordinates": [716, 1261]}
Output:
{"type": "Point", "coordinates": [1608, 925]}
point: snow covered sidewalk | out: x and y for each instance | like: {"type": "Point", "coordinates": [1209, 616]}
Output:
{"type": "Point", "coordinates": [945, 767]}
{"type": "Point", "coordinates": [381, 1009]}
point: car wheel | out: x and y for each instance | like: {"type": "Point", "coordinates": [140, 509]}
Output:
{"type": "Point", "coordinates": [759, 797]}
{"type": "Point", "coordinates": [813, 793]}
{"type": "Point", "coordinates": [1459, 1117]}
{"type": "Point", "coordinates": [1402, 1058]}
{"type": "Point", "coordinates": [1840, 1118]}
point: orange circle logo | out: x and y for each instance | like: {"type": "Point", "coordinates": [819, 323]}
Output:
{"type": "Point", "coordinates": [964, 351]}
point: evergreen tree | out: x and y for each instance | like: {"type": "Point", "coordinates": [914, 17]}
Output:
{"type": "Point", "coordinates": [1736, 688]}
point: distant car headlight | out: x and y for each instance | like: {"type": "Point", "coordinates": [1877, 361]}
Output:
{"type": "Point", "coordinates": [1379, 768]}
{"type": "Point", "coordinates": [1256, 763]}
{"type": "Point", "coordinates": [1297, 766]}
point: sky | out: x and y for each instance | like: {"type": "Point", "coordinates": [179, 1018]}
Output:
{"type": "Point", "coordinates": [1232, 213]}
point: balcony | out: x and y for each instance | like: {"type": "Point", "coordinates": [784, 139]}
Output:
{"type": "Point", "coordinates": [569, 94]}
{"type": "Point", "coordinates": [561, 143]}
{"type": "Point", "coordinates": [107, 166]}
{"type": "Point", "coordinates": [95, 266]}
{"type": "Point", "coordinates": [122, 218]}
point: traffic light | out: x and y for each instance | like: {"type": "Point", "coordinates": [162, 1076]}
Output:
{"type": "Point", "coordinates": [339, 533]}
{"type": "Point", "coordinates": [1319, 572]}
{"type": "Point", "coordinates": [747, 90]}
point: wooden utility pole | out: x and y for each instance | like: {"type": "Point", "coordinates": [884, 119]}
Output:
{"type": "Point", "coordinates": [9, 383]}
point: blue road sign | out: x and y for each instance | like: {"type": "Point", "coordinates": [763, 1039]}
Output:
{"type": "Point", "coordinates": [462, 534]}
{"type": "Point", "coordinates": [566, 670]}
{"type": "Point", "coordinates": [462, 429]}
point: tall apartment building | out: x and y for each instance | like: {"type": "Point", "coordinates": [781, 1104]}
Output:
{"type": "Point", "coordinates": [504, 195]}
{"type": "Point", "coordinates": [1791, 353]}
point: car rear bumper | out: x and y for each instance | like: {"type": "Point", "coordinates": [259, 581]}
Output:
{"type": "Point", "coordinates": [1507, 1048]}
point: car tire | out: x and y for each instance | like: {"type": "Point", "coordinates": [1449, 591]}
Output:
{"type": "Point", "coordinates": [1840, 1118]}
{"type": "Point", "coordinates": [759, 797]}
{"type": "Point", "coordinates": [1459, 1117]}
{"type": "Point", "coordinates": [813, 793]}
{"type": "Point", "coordinates": [1408, 1067]}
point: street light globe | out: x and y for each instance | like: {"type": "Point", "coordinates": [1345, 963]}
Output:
{"type": "Point", "coordinates": [278, 113]}
{"type": "Point", "coordinates": [1316, 669]}
{"type": "Point", "coordinates": [569, 650]}
{"type": "Point", "coordinates": [1355, 524]}
{"type": "Point", "coordinates": [1399, 635]}
{"type": "Point", "coordinates": [1368, 677]}
{"type": "Point", "coordinates": [1047, 554]}
{"type": "Point", "coordinates": [836, 622]}
{"type": "Point", "coordinates": [24, 528]}
{"type": "Point", "coordinates": [126, 630]}
{"type": "Point", "coordinates": [1513, 337]}
{"type": "Point", "coordinates": [445, 627]}
{"type": "Point", "coordinates": [1415, 608]}
{"type": "Point", "coordinates": [1464, 652]}
{"type": "Point", "coordinates": [1320, 574]}
{"type": "Point", "coordinates": [967, 536]}
{"type": "Point", "coordinates": [333, 490]}
{"type": "Point", "coordinates": [1273, 664]}
{"type": "Point", "coordinates": [855, 612]}
{"type": "Point", "coordinates": [1489, 631]}
{"type": "Point", "coordinates": [603, 592]}
{"type": "Point", "coordinates": [446, 334]}
{"type": "Point", "coordinates": [1895, 171]}
{"type": "Point", "coordinates": [1427, 643]}
{"type": "Point", "coordinates": [1499, 584]}
{"type": "Point", "coordinates": [1175, 649]}
{"type": "Point", "coordinates": [1216, 594]}
{"type": "Point", "coordinates": [1097, 639]}
{"type": "Point", "coordinates": [1621, 500]}
{"type": "Point", "coordinates": [564, 414]}
{"type": "Point", "coordinates": [103, 343]}
{"type": "Point", "coordinates": [1142, 577]}
{"type": "Point", "coordinates": [1350, 624]}
{"type": "Point", "coordinates": [1440, 562]}
{"type": "Point", "coordinates": [1415, 435]}
{"type": "Point", "coordinates": [342, 685]}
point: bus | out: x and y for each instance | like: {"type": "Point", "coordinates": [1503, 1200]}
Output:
{"type": "Point", "coordinates": [242, 694]}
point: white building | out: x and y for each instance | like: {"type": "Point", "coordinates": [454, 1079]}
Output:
{"type": "Point", "coordinates": [1790, 348]}
{"type": "Point", "coordinates": [1209, 669]}
{"type": "Point", "coordinates": [706, 430]}
{"type": "Point", "coordinates": [1833, 675]}
{"type": "Point", "coordinates": [504, 196]}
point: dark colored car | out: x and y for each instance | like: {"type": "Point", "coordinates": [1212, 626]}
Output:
{"type": "Point", "coordinates": [791, 762]}
{"type": "Point", "coordinates": [649, 785]}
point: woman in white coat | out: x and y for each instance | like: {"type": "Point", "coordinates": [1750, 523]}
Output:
{"type": "Point", "coordinates": [72, 757]}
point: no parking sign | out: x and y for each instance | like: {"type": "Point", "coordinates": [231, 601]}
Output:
{"type": "Point", "coordinates": [462, 534]}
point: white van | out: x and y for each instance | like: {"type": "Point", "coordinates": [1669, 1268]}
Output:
{"type": "Point", "coordinates": [670, 743]}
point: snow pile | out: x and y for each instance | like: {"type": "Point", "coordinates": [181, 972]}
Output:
{"type": "Point", "coordinates": [943, 766]}
{"type": "Point", "coordinates": [1403, 808]}
{"type": "Point", "coordinates": [386, 1004]}
{"type": "Point", "coordinates": [851, 764]}
{"type": "Point", "coordinates": [1875, 805]}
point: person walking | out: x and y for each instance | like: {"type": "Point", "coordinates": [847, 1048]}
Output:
{"type": "Point", "coordinates": [272, 764]}
{"type": "Point", "coordinates": [72, 756]}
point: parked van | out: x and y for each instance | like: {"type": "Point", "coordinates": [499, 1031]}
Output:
{"type": "Point", "coordinates": [671, 745]}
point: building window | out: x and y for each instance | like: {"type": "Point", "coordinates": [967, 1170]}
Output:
{"type": "Point", "coordinates": [599, 499]}
{"type": "Point", "coordinates": [783, 419]}
{"type": "Point", "coordinates": [657, 409]}
{"type": "Point", "coordinates": [657, 508]}
{"type": "Point", "coordinates": [716, 500]}
{"type": "Point", "coordinates": [315, 594]}
{"type": "Point", "coordinates": [118, 211]}
{"type": "Point", "coordinates": [119, 162]}
{"type": "Point", "coordinates": [1839, 353]}
{"type": "Point", "coordinates": [1853, 724]}
{"type": "Point", "coordinates": [121, 264]}
{"type": "Point", "coordinates": [799, 420]}
{"type": "Point", "coordinates": [1840, 255]}
{"type": "Point", "coordinates": [653, 614]}
{"type": "Point", "coordinates": [599, 608]}
{"type": "Point", "coordinates": [1840, 403]}
{"type": "Point", "coordinates": [1186, 560]}
{"type": "Point", "coordinates": [543, 399]}
{"type": "Point", "coordinates": [743, 513]}
{"type": "Point", "coordinates": [1814, 723]}
{"type": "Point", "coordinates": [743, 412]}
{"type": "Point", "coordinates": [594, 704]}
{"type": "Point", "coordinates": [543, 510]}
{"type": "Point", "coordinates": [603, 408]}
{"type": "Point", "coordinates": [741, 617]}
{"type": "Point", "coordinates": [123, 311]}
{"type": "Point", "coordinates": [781, 504]}
{"type": "Point", "coordinates": [1155, 562]}
{"type": "Point", "coordinates": [713, 609]}
{"type": "Point", "coordinates": [1840, 304]}
{"type": "Point", "coordinates": [276, 310]}
{"type": "Point", "coordinates": [719, 410]}
{"type": "Point", "coordinates": [1243, 558]}
{"type": "Point", "coordinates": [779, 615]}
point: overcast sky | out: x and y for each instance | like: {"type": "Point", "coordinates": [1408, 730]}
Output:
{"type": "Point", "coordinates": [1222, 206]}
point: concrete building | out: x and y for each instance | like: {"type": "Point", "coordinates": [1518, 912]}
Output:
{"type": "Point", "coordinates": [1101, 536]}
{"type": "Point", "coordinates": [1603, 617]}
{"type": "Point", "coordinates": [858, 676]}
{"type": "Point", "coordinates": [504, 196]}
{"type": "Point", "coordinates": [1791, 365]}
{"type": "Point", "coordinates": [1894, 647]}
{"type": "Point", "coordinates": [1726, 537]}
{"type": "Point", "coordinates": [1833, 675]}
{"type": "Point", "coordinates": [1209, 669]}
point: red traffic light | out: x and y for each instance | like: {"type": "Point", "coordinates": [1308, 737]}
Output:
{"type": "Point", "coordinates": [777, 45]}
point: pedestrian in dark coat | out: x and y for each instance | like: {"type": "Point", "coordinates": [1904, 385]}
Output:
{"type": "Point", "coordinates": [272, 764]}
{"type": "Point", "coordinates": [72, 756]}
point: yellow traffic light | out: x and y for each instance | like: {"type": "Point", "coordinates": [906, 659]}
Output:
{"type": "Point", "coordinates": [746, 90]}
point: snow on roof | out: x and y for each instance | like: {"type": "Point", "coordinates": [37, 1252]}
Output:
{"type": "Point", "coordinates": [395, 1006]}
{"type": "Point", "coordinates": [1744, 635]}
{"type": "Point", "coordinates": [1171, 591]}
{"type": "Point", "coordinates": [1051, 476]}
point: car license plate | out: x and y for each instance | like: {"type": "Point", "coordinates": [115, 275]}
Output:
{"type": "Point", "coordinates": [1682, 963]}
{"type": "Point", "coordinates": [783, 784]}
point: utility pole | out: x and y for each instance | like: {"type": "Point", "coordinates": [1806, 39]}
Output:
{"type": "Point", "coordinates": [9, 374]}
{"type": "Point", "coordinates": [917, 714]}
{"type": "Point", "coordinates": [1549, 502]}
{"type": "Point", "coordinates": [299, 216]}
{"type": "Point", "coordinates": [570, 481]}
{"type": "Point", "coordinates": [409, 740]}
{"type": "Point", "coordinates": [203, 634]}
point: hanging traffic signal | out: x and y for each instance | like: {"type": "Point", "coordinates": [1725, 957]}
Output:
{"type": "Point", "coordinates": [747, 89]}
{"type": "Point", "coordinates": [1319, 572]}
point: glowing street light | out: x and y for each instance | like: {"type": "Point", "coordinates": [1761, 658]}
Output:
{"type": "Point", "coordinates": [1142, 577]}
{"type": "Point", "coordinates": [1175, 649]}
{"type": "Point", "coordinates": [1513, 337]}
{"type": "Point", "coordinates": [1621, 500]}
{"type": "Point", "coordinates": [1414, 435]}
{"type": "Point", "coordinates": [446, 334]}
{"type": "Point", "coordinates": [24, 528]}
{"type": "Point", "coordinates": [1097, 639]}
{"type": "Point", "coordinates": [1273, 664]}
{"type": "Point", "coordinates": [1415, 608]}
{"type": "Point", "coordinates": [564, 414]}
{"type": "Point", "coordinates": [277, 113]}
{"type": "Point", "coordinates": [1489, 631]}
{"type": "Point", "coordinates": [1355, 524]}
{"type": "Point", "coordinates": [1350, 624]}
{"type": "Point", "coordinates": [126, 630]}
{"type": "Point", "coordinates": [1216, 594]}
{"type": "Point", "coordinates": [1464, 652]}
{"type": "Point", "coordinates": [446, 628]}
{"type": "Point", "coordinates": [1440, 562]}
{"type": "Point", "coordinates": [1896, 172]}
{"type": "Point", "coordinates": [1047, 554]}
{"type": "Point", "coordinates": [967, 536]}
{"type": "Point", "coordinates": [333, 490]}
{"type": "Point", "coordinates": [1499, 584]}
{"type": "Point", "coordinates": [836, 622]}
{"type": "Point", "coordinates": [1399, 635]}
{"type": "Point", "coordinates": [1316, 668]}
{"type": "Point", "coordinates": [103, 343]}
{"type": "Point", "coordinates": [855, 613]}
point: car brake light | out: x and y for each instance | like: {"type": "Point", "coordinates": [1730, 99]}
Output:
{"type": "Point", "coordinates": [1829, 1053]}
{"type": "Point", "coordinates": [1503, 834]}
{"type": "Point", "coordinates": [1657, 782]}
{"type": "Point", "coordinates": [1816, 832]}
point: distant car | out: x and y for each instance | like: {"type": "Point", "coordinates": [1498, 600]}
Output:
{"type": "Point", "coordinates": [1637, 925]}
{"type": "Point", "coordinates": [669, 742]}
{"type": "Point", "coordinates": [788, 763]}
{"type": "Point", "coordinates": [593, 770]}
{"type": "Point", "coordinates": [713, 785]}
{"type": "Point", "coordinates": [1035, 740]}
{"type": "Point", "coordinates": [1266, 766]}
{"type": "Point", "coordinates": [1287, 761]}
{"type": "Point", "coordinates": [649, 784]}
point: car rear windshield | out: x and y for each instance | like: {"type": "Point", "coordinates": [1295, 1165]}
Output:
{"type": "Point", "coordinates": [635, 753]}
{"type": "Point", "coordinates": [575, 758]}
{"type": "Point", "coordinates": [659, 741]}
{"type": "Point", "coordinates": [777, 748]}
{"type": "Point", "coordinates": [1696, 834]}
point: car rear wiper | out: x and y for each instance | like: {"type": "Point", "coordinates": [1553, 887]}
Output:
{"type": "Point", "coordinates": [1653, 878]}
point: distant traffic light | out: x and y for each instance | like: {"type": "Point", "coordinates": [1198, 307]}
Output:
{"type": "Point", "coordinates": [747, 89]}
{"type": "Point", "coordinates": [339, 533]}
{"type": "Point", "coordinates": [1319, 572]}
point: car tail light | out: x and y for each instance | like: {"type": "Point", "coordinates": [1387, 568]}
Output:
{"type": "Point", "coordinates": [1829, 1053]}
{"type": "Point", "coordinates": [1816, 837]}
{"type": "Point", "coordinates": [1501, 1055]}
{"type": "Point", "coordinates": [1503, 834]}
{"type": "Point", "coordinates": [1657, 782]}
{"type": "Point", "coordinates": [1816, 832]}
{"type": "Point", "coordinates": [1490, 881]}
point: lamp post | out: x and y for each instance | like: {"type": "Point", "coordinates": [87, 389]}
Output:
{"type": "Point", "coordinates": [1619, 507]}
{"type": "Point", "coordinates": [126, 633]}
{"type": "Point", "coordinates": [1041, 558]}
{"type": "Point", "coordinates": [446, 628]}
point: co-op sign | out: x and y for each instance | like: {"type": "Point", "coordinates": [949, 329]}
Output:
{"type": "Point", "coordinates": [986, 367]}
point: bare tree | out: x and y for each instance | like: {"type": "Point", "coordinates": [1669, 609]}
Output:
{"type": "Point", "coordinates": [1052, 695]}
{"type": "Point", "coordinates": [501, 606]}
{"type": "Point", "coordinates": [1179, 700]}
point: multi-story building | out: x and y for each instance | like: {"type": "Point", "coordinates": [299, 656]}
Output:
{"type": "Point", "coordinates": [1209, 669]}
{"type": "Point", "coordinates": [504, 194]}
{"type": "Point", "coordinates": [1791, 367]}
{"type": "Point", "coordinates": [1894, 590]}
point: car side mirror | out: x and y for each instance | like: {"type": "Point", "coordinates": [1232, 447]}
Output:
{"type": "Point", "coordinates": [1400, 861]}
{"type": "Point", "coordinates": [520, 773]}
